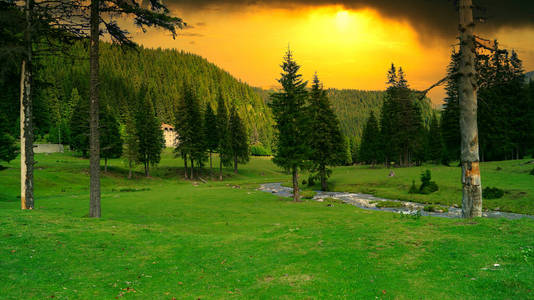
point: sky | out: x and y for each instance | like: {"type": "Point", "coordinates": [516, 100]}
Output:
{"type": "Point", "coordinates": [350, 44]}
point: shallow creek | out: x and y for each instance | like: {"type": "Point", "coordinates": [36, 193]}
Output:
{"type": "Point", "coordinates": [370, 202]}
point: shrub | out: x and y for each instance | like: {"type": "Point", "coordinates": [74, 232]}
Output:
{"type": "Point", "coordinates": [389, 204]}
{"type": "Point", "coordinates": [307, 194]}
{"type": "Point", "coordinates": [311, 180]}
{"type": "Point", "coordinates": [413, 188]}
{"type": "Point", "coordinates": [304, 182]}
{"type": "Point", "coordinates": [532, 172]}
{"type": "Point", "coordinates": [492, 193]}
{"type": "Point", "coordinates": [435, 208]}
{"type": "Point", "coordinates": [259, 150]}
{"type": "Point", "coordinates": [427, 185]}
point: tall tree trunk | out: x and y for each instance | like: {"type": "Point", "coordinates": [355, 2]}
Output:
{"type": "Point", "coordinates": [26, 116]}
{"type": "Point", "coordinates": [184, 157]}
{"type": "Point", "coordinates": [94, 139]}
{"type": "Point", "coordinates": [324, 187]}
{"type": "Point", "coordinates": [235, 164]}
{"type": "Point", "coordinates": [472, 191]}
{"type": "Point", "coordinates": [296, 194]}
{"type": "Point", "coordinates": [147, 169]}
{"type": "Point", "coordinates": [211, 165]}
{"type": "Point", "coordinates": [220, 168]}
{"type": "Point", "coordinates": [129, 169]}
{"type": "Point", "coordinates": [192, 168]}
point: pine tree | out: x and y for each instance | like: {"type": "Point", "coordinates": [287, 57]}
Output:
{"type": "Point", "coordinates": [210, 131]}
{"type": "Point", "coordinates": [450, 116]}
{"type": "Point", "coordinates": [131, 142]}
{"type": "Point", "coordinates": [239, 149]}
{"type": "Point", "coordinates": [110, 137]}
{"type": "Point", "coordinates": [370, 147]}
{"type": "Point", "coordinates": [324, 136]}
{"type": "Point", "coordinates": [223, 134]}
{"type": "Point", "coordinates": [8, 147]}
{"type": "Point", "coordinates": [149, 134]}
{"type": "Point", "coordinates": [434, 141]}
{"type": "Point", "coordinates": [79, 125]}
{"type": "Point", "coordinates": [288, 107]}
{"type": "Point", "coordinates": [402, 82]}
{"type": "Point", "coordinates": [392, 76]}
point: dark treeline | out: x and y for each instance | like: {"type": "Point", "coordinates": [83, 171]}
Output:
{"type": "Point", "coordinates": [505, 114]}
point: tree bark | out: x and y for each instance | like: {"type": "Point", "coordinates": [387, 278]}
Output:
{"type": "Point", "coordinates": [192, 168]}
{"type": "Point", "coordinates": [147, 169]}
{"type": "Point", "coordinates": [324, 187]}
{"type": "Point", "coordinates": [472, 190]}
{"type": "Point", "coordinates": [130, 169]}
{"type": "Point", "coordinates": [94, 159]}
{"type": "Point", "coordinates": [235, 164]}
{"type": "Point", "coordinates": [184, 157]}
{"type": "Point", "coordinates": [296, 194]}
{"type": "Point", "coordinates": [26, 116]}
{"type": "Point", "coordinates": [220, 168]}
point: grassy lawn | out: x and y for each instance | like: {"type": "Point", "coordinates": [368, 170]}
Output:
{"type": "Point", "coordinates": [164, 237]}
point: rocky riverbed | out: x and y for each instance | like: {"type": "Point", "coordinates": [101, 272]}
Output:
{"type": "Point", "coordinates": [370, 202]}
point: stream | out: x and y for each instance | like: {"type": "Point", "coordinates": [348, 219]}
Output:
{"type": "Point", "coordinates": [370, 202]}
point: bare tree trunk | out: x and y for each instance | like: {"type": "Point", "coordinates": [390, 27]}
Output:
{"type": "Point", "coordinates": [147, 169]}
{"type": "Point", "coordinates": [26, 115]}
{"type": "Point", "coordinates": [324, 187]}
{"type": "Point", "coordinates": [220, 168]}
{"type": "Point", "coordinates": [94, 139]}
{"type": "Point", "coordinates": [296, 194]}
{"type": "Point", "coordinates": [192, 168]}
{"type": "Point", "coordinates": [184, 157]}
{"type": "Point", "coordinates": [235, 164]}
{"type": "Point", "coordinates": [472, 191]}
{"type": "Point", "coordinates": [130, 169]}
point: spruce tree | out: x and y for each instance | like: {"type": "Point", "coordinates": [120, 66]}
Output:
{"type": "Point", "coordinates": [210, 131]}
{"type": "Point", "coordinates": [110, 137]}
{"type": "Point", "coordinates": [8, 147]}
{"type": "Point", "coordinates": [288, 107]}
{"type": "Point", "coordinates": [370, 147]}
{"type": "Point", "coordinates": [434, 141]}
{"type": "Point", "coordinates": [79, 126]}
{"type": "Point", "coordinates": [149, 134]}
{"type": "Point", "coordinates": [131, 142]}
{"type": "Point", "coordinates": [223, 134]}
{"type": "Point", "coordinates": [325, 139]}
{"type": "Point", "coordinates": [450, 116]}
{"type": "Point", "coordinates": [239, 149]}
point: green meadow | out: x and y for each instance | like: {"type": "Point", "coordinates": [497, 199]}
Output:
{"type": "Point", "coordinates": [164, 237]}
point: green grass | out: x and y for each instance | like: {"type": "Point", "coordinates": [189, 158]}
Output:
{"type": "Point", "coordinates": [164, 237]}
{"type": "Point", "coordinates": [389, 204]}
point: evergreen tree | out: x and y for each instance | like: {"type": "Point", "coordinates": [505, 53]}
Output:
{"type": "Point", "coordinates": [392, 76]}
{"type": "Point", "coordinates": [239, 149]}
{"type": "Point", "coordinates": [110, 137]}
{"type": "Point", "coordinates": [149, 134]}
{"type": "Point", "coordinates": [131, 142]}
{"type": "Point", "coordinates": [79, 125]}
{"type": "Point", "coordinates": [223, 134]}
{"type": "Point", "coordinates": [288, 107]}
{"type": "Point", "coordinates": [450, 116]}
{"type": "Point", "coordinates": [371, 145]}
{"type": "Point", "coordinates": [210, 131]}
{"type": "Point", "coordinates": [434, 141]}
{"type": "Point", "coordinates": [8, 148]}
{"type": "Point", "coordinates": [402, 82]}
{"type": "Point", "coordinates": [325, 139]}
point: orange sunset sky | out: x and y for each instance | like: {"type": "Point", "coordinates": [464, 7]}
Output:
{"type": "Point", "coordinates": [349, 48]}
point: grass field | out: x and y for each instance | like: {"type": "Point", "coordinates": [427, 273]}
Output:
{"type": "Point", "coordinates": [164, 238]}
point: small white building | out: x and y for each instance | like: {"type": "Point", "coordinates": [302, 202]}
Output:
{"type": "Point", "coordinates": [169, 134]}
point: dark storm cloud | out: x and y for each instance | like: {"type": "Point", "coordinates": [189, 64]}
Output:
{"type": "Point", "coordinates": [428, 17]}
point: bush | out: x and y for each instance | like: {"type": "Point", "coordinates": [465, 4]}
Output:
{"type": "Point", "coordinates": [311, 180]}
{"type": "Point", "coordinates": [532, 172]}
{"type": "Point", "coordinates": [259, 150]}
{"type": "Point", "coordinates": [413, 188]}
{"type": "Point", "coordinates": [389, 204]}
{"type": "Point", "coordinates": [307, 194]}
{"type": "Point", "coordinates": [427, 185]}
{"type": "Point", "coordinates": [435, 208]}
{"type": "Point", "coordinates": [492, 193]}
{"type": "Point", "coordinates": [304, 182]}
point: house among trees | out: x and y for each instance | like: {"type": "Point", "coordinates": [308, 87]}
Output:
{"type": "Point", "coordinates": [169, 134]}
